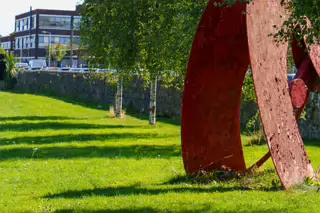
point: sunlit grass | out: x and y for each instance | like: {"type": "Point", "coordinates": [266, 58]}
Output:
{"type": "Point", "coordinates": [57, 156]}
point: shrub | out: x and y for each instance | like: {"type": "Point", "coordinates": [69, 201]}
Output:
{"type": "Point", "coordinates": [11, 71]}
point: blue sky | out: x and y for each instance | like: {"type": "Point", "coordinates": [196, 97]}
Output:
{"type": "Point", "coordinates": [14, 7]}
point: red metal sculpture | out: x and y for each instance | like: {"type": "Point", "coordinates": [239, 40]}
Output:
{"type": "Point", "coordinates": [226, 42]}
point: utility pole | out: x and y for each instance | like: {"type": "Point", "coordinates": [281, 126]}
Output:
{"type": "Point", "coordinates": [71, 40]}
{"type": "Point", "coordinates": [21, 46]}
{"type": "Point", "coordinates": [30, 28]}
{"type": "Point", "coordinates": [49, 47]}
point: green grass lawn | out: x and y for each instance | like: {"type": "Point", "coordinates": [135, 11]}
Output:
{"type": "Point", "coordinates": [58, 156]}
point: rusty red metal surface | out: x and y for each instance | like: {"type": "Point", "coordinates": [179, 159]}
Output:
{"type": "Point", "coordinates": [211, 103]}
{"type": "Point", "coordinates": [298, 93]}
{"type": "Point", "coordinates": [269, 65]}
{"type": "Point", "coordinates": [212, 96]}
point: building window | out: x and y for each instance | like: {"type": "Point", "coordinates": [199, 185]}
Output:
{"type": "Point", "coordinates": [19, 43]}
{"type": "Point", "coordinates": [64, 40]}
{"type": "Point", "coordinates": [76, 40]}
{"type": "Point", "coordinates": [6, 45]}
{"type": "Point", "coordinates": [41, 39]}
{"type": "Point", "coordinates": [33, 41]}
{"type": "Point", "coordinates": [17, 26]}
{"type": "Point", "coordinates": [34, 22]}
{"type": "Point", "coordinates": [16, 43]}
{"type": "Point", "coordinates": [76, 22]}
{"type": "Point", "coordinates": [55, 39]}
{"type": "Point", "coordinates": [25, 24]}
{"type": "Point", "coordinates": [21, 25]}
{"type": "Point", "coordinates": [54, 22]}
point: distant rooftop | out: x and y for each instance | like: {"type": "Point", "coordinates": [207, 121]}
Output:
{"type": "Point", "coordinates": [75, 12]}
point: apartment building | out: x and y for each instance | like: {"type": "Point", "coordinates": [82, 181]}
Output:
{"type": "Point", "coordinates": [40, 29]}
{"type": "Point", "coordinates": [7, 43]}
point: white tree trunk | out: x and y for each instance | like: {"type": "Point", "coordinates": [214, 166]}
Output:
{"type": "Point", "coordinates": [118, 110]}
{"type": "Point", "coordinates": [153, 103]}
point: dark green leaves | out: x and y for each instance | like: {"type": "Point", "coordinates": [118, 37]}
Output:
{"type": "Point", "coordinates": [151, 37]}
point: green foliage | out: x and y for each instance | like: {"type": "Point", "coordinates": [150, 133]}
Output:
{"type": "Point", "coordinates": [57, 52]}
{"type": "Point", "coordinates": [248, 90]}
{"type": "Point", "coordinates": [11, 70]}
{"type": "Point", "coordinates": [2, 51]}
{"type": "Point", "coordinates": [230, 3]}
{"type": "Point", "coordinates": [257, 138]}
{"type": "Point", "coordinates": [151, 38]}
{"type": "Point", "coordinates": [108, 31]}
{"type": "Point", "coordinates": [249, 96]}
{"type": "Point", "coordinates": [300, 14]}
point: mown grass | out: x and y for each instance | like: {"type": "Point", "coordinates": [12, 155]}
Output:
{"type": "Point", "coordinates": [63, 157]}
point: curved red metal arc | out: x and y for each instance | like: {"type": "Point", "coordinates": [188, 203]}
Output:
{"type": "Point", "coordinates": [269, 65]}
{"type": "Point", "coordinates": [212, 96]}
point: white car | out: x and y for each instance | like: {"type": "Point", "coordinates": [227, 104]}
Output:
{"type": "Point", "coordinates": [291, 77]}
{"type": "Point", "coordinates": [76, 70]}
{"type": "Point", "coordinates": [50, 68]}
{"type": "Point", "coordinates": [23, 66]}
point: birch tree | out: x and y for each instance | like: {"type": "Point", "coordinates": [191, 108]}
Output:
{"type": "Point", "coordinates": [154, 36]}
{"type": "Point", "coordinates": [57, 53]}
{"type": "Point", "coordinates": [108, 29]}
{"type": "Point", "coordinates": [166, 31]}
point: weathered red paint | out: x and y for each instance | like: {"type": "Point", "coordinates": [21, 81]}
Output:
{"type": "Point", "coordinates": [211, 102]}
{"type": "Point", "coordinates": [212, 96]}
{"type": "Point", "coordinates": [269, 65]}
{"type": "Point", "coordinates": [298, 93]}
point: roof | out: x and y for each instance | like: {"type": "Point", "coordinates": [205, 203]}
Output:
{"type": "Point", "coordinates": [49, 12]}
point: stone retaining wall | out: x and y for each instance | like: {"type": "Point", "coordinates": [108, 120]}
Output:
{"type": "Point", "coordinates": [90, 86]}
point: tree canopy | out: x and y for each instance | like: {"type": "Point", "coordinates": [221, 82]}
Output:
{"type": "Point", "coordinates": [149, 37]}
{"type": "Point", "coordinates": [57, 52]}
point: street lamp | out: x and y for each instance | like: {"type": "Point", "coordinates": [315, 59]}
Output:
{"type": "Point", "coordinates": [46, 32]}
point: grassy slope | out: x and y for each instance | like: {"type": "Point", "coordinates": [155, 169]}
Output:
{"type": "Point", "coordinates": [62, 157]}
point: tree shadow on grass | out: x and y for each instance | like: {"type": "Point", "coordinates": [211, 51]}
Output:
{"type": "Point", "coordinates": [135, 152]}
{"type": "Point", "coordinates": [67, 138]}
{"type": "Point", "coordinates": [135, 190]}
{"type": "Point", "coordinates": [29, 126]}
{"type": "Point", "coordinates": [166, 120]}
{"type": "Point", "coordinates": [261, 181]}
{"type": "Point", "coordinates": [123, 210]}
{"type": "Point", "coordinates": [314, 142]}
{"type": "Point", "coordinates": [38, 118]}
{"type": "Point", "coordinates": [94, 105]}
{"type": "Point", "coordinates": [197, 209]}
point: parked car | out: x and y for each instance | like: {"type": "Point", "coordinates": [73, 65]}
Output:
{"type": "Point", "coordinates": [75, 69]}
{"type": "Point", "coordinates": [23, 66]}
{"type": "Point", "coordinates": [90, 69]}
{"type": "Point", "coordinates": [64, 68]}
{"type": "Point", "coordinates": [106, 70]}
{"type": "Point", "coordinates": [103, 70]}
{"type": "Point", "coordinates": [34, 68]}
{"type": "Point", "coordinates": [37, 63]}
{"type": "Point", "coordinates": [50, 68]}
{"type": "Point", "coordinates": [291, 77]}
